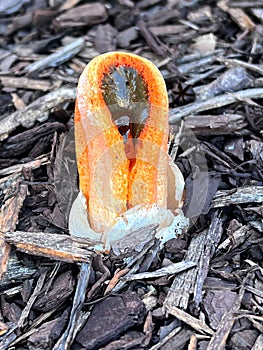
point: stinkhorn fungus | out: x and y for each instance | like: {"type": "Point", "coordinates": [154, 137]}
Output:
{"type": "Point", "coordinates": [116, 174]}
{"type": "Point", "coordinates": [121, 134]}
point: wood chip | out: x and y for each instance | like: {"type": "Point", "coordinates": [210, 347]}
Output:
{"type": "Point", "coordinates": [201, 250]}
{"type": "Point", "coordinates": [87, 14]}
{"type": "Point", "coordinates": [117, 314]}
{"type": "Point", "coordinates": [168, 29]}
{"type": "Point", "coordinates": [210, 244]}
{"type": "Point", "coordinates": [68, 4]}
{"type": "Point", "coordinates": [164, 271]}
{"type": "Point", "coordinates": [248, 194]}
{"type": "Point", "coordinates": [151, 40]}
{"type": "Point", "coordinates": [9, 213]}
{"type": "Point", "coordinates": [236, 238]}
{"type": "Point", "coordinates": [219, 101]}
{"type": "Point", "coordinates": [53, 246]}
{"type": "Point", "coordinates": [218, 340]}
{"type": "Point", "coordinates": [221, 124]}
{"type": "Point", "coordinates": [36, 111]}
{"type": "Point", "coordinates": [234, 79]}
{"type": "Point", "coordinates": [190, 320]}
{"type": "Point", "coordinates": [34, 164]}
{"type": "Point", "coordinates": [26, 83]}
{"type": "Point", "coordinates": [238, 16]}
{"type": "Point", "coordinates": [3, 328]}
{"type": "Point", "coordinates": [183, 284]}
{"type": "Point", "coordinates": [16, 271]}
{"type": "Point", "coordinates": [11, 6]}
{"type": "Point", "coordinates": [68, 335]}
{"type": "Point", "coordinates": [258, 345]}
{"type": "Point", "coordinates": [57, 58]}
{"type": "Point", "coordinates": [32, 299]}
{"type": "Point", "coordinates": [161, 343]}
{"type": "Point", "coordinates": [115, 280]}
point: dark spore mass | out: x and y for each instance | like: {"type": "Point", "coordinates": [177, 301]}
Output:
{"type": "Point", "coordinates": [126, 94]}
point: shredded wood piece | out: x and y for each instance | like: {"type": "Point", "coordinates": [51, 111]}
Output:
{"type": "Point", "coordinates": [190, 320]}
{"type": "Point", "coordinates": [164, 271]}
{"type": "Point", "coordinates": [57, 58]}
{"type": "Point", "coordinates": [219, 101]}
{"type": "Point", "coordinates": [9, 212]}
{"type": "Point", "coordinates": [36, 111]}
{"type": "Point", "coordinates": [53, 246]}
{"type": "Point", "coordinates": [239, 195]}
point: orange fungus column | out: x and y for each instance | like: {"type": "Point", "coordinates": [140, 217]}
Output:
{"type": "Point", "coordinates": [119, 170]}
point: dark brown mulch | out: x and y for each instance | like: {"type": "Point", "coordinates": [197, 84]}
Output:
{"type": "Point", "coordinates": [55, 294]}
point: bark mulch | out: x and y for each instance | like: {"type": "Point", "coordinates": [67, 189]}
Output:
{"type": "Point", "coordinates": [56, 294]}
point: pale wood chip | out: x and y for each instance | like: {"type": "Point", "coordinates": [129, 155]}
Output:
{"type": "Point", "coordinates": [115, 279]}
{"type": "Point", "coordinates": [247, 194]}
{"type": "Point", "coordinates": [190, 320]}
{"type": "Point", "coordinates": [26, 83]}
{"type": "Point", "coordinates": [9, 213]}
{"type": "Point", "coordinates": [258, 345]}
{"type": "Point", "coordinates": [53, 246]}
{"type": "Point", "coordinates": [238, 15]}
{"type": "Point", "coordinates": [17, 168]}
{"type": "Point", "coordinates": [38, 110]}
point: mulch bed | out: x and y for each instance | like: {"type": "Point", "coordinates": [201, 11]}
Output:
{"type": "Point", "coordinates": [55, 293]}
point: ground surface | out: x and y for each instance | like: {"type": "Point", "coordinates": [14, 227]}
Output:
{"type": "Point", "coordinates": [55, 294]}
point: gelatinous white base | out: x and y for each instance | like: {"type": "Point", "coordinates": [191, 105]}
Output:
{"type": "Point", "coordinates": [169, 222]}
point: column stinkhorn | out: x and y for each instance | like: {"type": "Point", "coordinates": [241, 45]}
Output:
{"type": "Point", "coordinates": [121, 132]}
{"type": "Point", "coordinates": [127, 181]}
